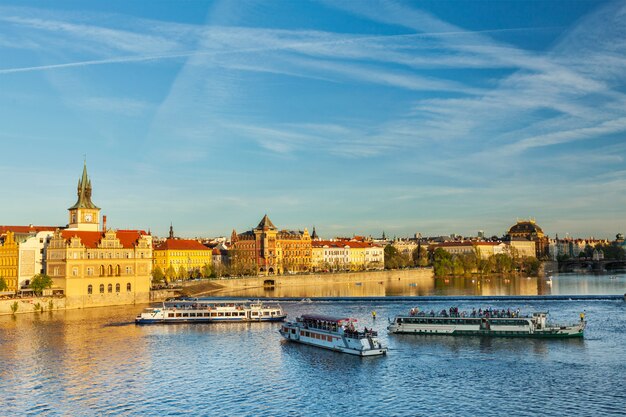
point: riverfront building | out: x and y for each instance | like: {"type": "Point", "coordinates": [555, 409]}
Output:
{"type": "Point", "coordinates": [530, 231]}
{"type": "Point", "coordinates": [266, 250]}
{"type": "Point", "coordinates": [181, 257]}
{"type": "Point", "coordinates": [346, 255]}
{"type": "Point", "coordinates": [9, 261]}
{"type": "Point", "coordinates": [97, 267]}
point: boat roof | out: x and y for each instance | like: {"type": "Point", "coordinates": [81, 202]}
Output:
{"type": "Point", "coordinates": [318, 317]}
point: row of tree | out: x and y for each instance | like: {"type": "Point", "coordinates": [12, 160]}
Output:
{"type": "Point", "coordinates": [445, 263]}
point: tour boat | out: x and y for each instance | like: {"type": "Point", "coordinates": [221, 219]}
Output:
{"type": "Point", "coordinates": [487, 323]}
{"type": "Point", "coordinates": [338, 334]}
{"type": "Point", "coordinates": [205, 311]}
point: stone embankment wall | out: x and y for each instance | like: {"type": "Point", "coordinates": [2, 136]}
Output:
{"type": "Point", "coordinates": [162, 295]}
{"type": "Point", "coordinates": [548, 268]}
{"type": "Point", "coordinates": [200, 288]}
{"type": "Point", "coordinates": [32, 305]}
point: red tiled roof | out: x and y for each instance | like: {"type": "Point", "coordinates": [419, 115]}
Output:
{"type": "Point", "coordinates": [128, 238]}
{"type": "Point", "coordinates": [181, 244]}
{"type": "Point", "coordinates": [28, 229]}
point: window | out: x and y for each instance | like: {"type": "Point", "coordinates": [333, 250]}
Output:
{"type": "Point", "coordinates": [89, 289]}
{"type": "Point", "coordinates": [89, 271]}
{"type": "Point", "coordinates": [117, 287]}
{"type": "Point", "coordinates": [110, 288]}
{"type": "Point", "coordinates": [101, 288]}
{"type": "Point", "coordinates": [75, 272]}
{"type": "Point", "coordinates": [129, 270]}
{"type": "Point", "coordinates": [101, 270]}
{"type": "Point", "coordinates": [128, 287]}
{"type": "Point", "coordinates": [110, 270]}
{"type": "Point", "coordinates": [118, 270]}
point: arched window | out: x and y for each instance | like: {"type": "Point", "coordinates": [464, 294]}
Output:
{"type": "Point", "coordinates": [101, 270]}
{"type": "Point", "coordinates": [118, 270]}
{"type": "Point", "coordinates": [89, 289]}
{"type": "Point", "coordinates": [117, 287]}
{"type": "Point", "coordinates": [110, 270]}
{"type": "Point", "coordinates": [101, 288]}
{"type": "Point", "coordinates": [110, 288]}
{"type": "Point", "coordinates": [128, 287]}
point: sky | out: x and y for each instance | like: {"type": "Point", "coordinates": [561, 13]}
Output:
{"type": "Point", "coordinates": [431, 117]}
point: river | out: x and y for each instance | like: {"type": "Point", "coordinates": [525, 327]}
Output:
{"type": "Point", "coordinates": [97, 361]}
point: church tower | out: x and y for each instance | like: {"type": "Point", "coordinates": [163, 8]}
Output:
{"type": "Point", "coordinates": [84, 215]}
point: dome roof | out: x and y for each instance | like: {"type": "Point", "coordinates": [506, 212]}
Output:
{"type": "Point", "coordinates": [526, 228]}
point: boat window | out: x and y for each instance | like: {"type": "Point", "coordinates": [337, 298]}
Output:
{"type": "Point", "coordinates": [178, 315]}
{"type": "Point", "coordinates": [293, 331]}
{"type": "Point", "coordinates": [170, 314]}
{"type": "Point", "coordinates": [207, 314]}
{"type": "Point", "coordinates": [220, 314]}
{"type": "Point", "coordinates": [192, 314]}
{"type": "Point", "coordinates": [185, 314]}
{"type": "Point", "coordinates": [213, 314]}
{"type": "Point", "coordinates": [228, 314]}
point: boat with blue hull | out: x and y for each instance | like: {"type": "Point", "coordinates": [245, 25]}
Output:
{"type": "Point", "coordinates": [488, 323]}
{"type": "Point", "coordinates": [206, 311]}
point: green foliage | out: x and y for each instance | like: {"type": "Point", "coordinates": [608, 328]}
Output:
{"type": "Point", "coordinates": [38, 307]}
{"type": "Point", "coordinates": [420, 256]}
{"type": "Point", "coordinates": [14, 307]}
{"type": "Point", "coordinates": [170, 273]}
{"type": "Point", "coordinates": [442, 262]}
{"type": "Point", "coordinates": [3, 284]}
{"type": "Point", "coordinates": [395, 259]}
{"type": "Point", "coordinates": [40, 282]}
{"type": "Point", "coordinates": [182, 272]}
{"type": "Point", "coordinates": [157, 275]}
{"type": "Point", "coordinates": [50, 305]}
{"type": "Point", "coordinates": [612, 251]}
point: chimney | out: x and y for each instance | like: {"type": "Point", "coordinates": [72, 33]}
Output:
{"type": "Point", "coordinates": [104, 223]}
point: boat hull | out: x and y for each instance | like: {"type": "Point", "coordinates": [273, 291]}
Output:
{"type": "Point", "coordinates": [489, 333]}
{"type": "Point", "coordinates": [340, 349]}
{"type": "Point", "coordinates": [140, 320]}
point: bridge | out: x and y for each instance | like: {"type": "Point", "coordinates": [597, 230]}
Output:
{"type": "Point", "coordinates": [601, 265]}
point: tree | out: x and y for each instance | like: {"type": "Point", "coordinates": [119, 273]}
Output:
{"type": "Point", "coordinates": [182, 272]}
{"type": "Point", "coordinates": [157, 275]}
{"type": "Point", "coordinates": [3, 284]}
{"type": "Point", "coordinates": [40, 282]}
{"type": "Point", "coordinates": [468, 262]}
{"type": "Point", "coordinates": [442, 262]}
{"type": "Point", "coordinates": [612, 251]}
{"type": "Point", "coordinates": [170, 273]}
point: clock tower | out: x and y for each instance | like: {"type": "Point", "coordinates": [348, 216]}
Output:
{"type": "Point", "coordinates": [84, 215]}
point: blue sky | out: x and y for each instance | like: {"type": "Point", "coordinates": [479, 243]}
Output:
{"type": "Point", "coordinates": [436, 117]}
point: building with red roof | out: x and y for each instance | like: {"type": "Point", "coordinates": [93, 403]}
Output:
{"type": "Point", "coordinates": [182, 258]}
{"type": "Point", "coordinates": [97, 267]}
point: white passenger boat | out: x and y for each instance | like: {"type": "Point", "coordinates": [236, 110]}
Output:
{"type": "Point", "coordinates": [205, 311]}
{"type": "Point", "coordinates": [333, 333]}
{"type": "Point", "coordinates": [488, 323]}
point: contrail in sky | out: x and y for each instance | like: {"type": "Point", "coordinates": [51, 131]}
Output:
{"type": "Point", "coordinates": [186, 54]}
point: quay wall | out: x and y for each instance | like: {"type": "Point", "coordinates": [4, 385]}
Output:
{"type": "Point", "coordinates": [162, 295]}
{"type": "Point", "coordinates": [197, 288]}
{"type": "Point", "coordinates": [29, 305]}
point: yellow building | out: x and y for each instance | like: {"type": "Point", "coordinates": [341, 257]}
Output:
{"type": "Point", "coordinates": [530, 230]}
{"type": "Point", "coordinates": [265, 250]}
{"type": "Point", "coordinates": [98, 267]}
{"type": "Point", "coordinates": [9, 257]}
{"type": "Point", "coordinates": [186, 255]}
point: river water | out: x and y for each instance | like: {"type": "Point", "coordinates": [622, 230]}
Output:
{"type": "Point", "coordinates": [98, 362]}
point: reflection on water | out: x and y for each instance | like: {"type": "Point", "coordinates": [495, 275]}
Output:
{"type": "Point", "coordinates": [95, 362]}
{"type": "Point", "coordinates": [562, 284]}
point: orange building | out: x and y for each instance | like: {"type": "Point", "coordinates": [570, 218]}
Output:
{"type": "Point", "coordinates": [265, 250]}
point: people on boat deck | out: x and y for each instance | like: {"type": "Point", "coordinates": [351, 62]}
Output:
{"type": "Point", "coordinates": [582, 316]}
{"type": "Point", "coordinates": [454, 312]}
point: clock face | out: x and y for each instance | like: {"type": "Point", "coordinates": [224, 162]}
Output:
{"type": "Point", "coordinates": [87, 217]}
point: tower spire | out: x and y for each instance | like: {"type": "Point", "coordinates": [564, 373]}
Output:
{"type": "Point", "coordinates": [171, 231]}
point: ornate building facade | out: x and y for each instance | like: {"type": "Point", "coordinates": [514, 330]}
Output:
{"type": "Point", "coordinates": [347, 255]}
{"type": "Point", "coordinates": [529, 230]}
{"type": "Point", "coordinates": [9, 254]}
{"type": "Point", "coordinates": [98, 267]}
{"type": "Point", "coordinates": [265, 250]}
